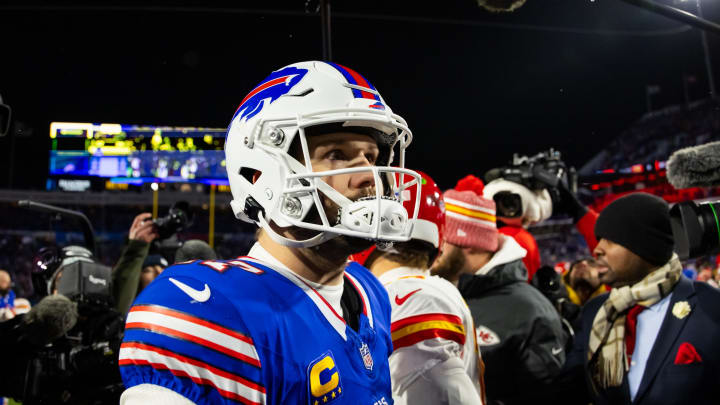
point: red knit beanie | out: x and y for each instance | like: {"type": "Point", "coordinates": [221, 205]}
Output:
{"type": "Point", "coordinates": [470, 220]}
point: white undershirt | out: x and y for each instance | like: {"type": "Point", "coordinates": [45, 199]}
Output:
{"type": "Point", "coordinates": [331, 293]}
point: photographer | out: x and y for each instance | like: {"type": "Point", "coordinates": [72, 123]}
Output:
{"type": "Point", "coordinates": [136, 269]}
{"type": "Point", "coordinates": [127, 272]}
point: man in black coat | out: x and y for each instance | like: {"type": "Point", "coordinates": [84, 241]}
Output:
{"type": "Point", "coordinates": [518, 331]}
{"type": "Point", "coordinates": [653, 338]}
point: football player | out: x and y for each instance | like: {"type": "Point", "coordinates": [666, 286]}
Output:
{"type": "Point", "coordinates": [307, 154]}
{"type": "Point", "coordinates": [435, 358]}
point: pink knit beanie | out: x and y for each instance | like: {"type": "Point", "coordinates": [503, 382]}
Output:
{"type": "Point", "coordinates": [470, 220]}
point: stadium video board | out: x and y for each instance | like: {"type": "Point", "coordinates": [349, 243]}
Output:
{"type": "Point", "coordinates": [138, 153]}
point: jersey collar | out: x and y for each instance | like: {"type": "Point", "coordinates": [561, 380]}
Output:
{"type": "Point", "coordinates": [402, 272]}
{"type": "Point", "coordinates": [334, 319]}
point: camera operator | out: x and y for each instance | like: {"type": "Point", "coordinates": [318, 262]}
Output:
{"type": "Point", "coordinates": [67, 346]}
{"type": "Point", "coordinates": [25, 334]}
{"type": "Point", "coordinates": [529, 191]}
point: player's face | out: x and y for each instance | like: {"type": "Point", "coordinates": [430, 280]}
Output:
{"type": "Point", "coordinates": [343, 150]}
{"type": "Point", "coordinates": [450, 262]}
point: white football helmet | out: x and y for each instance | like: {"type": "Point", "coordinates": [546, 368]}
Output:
{"type": "Point", "coordinates": [270, 185]}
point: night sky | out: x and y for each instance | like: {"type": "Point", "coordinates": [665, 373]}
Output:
{"type": "Point", "coordinates": [474, 87]}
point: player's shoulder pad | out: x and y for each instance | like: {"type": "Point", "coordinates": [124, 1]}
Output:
{"type": "Point", "coordinates": [219, 269]}
{"type": "Point", "coordinates": [210, 289]}
{"type": "Point", "coordinates": [182, 292]}
{"type": "Point", "coordinates": [188, 335]}
{"type": "Point", "coordinates": [426, 308]}
{"type": "Point", "coordinates": [422, 296]}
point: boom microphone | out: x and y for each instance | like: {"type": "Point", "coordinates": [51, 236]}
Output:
{"type": "Point", "coordinates": [696, 166]}
{"type": "Point", "coordinates": [50, 319]}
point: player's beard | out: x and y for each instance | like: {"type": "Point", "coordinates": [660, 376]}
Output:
{"type": "Point", "coordinates": [341, 246]}
{"type": "Point", "coordinates": [449, 264]}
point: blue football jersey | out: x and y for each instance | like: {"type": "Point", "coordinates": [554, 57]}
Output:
{"type": "Point", "coordinates": [249, 331]}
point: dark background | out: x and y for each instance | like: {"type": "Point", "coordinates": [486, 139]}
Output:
{"type": "Point", "coordinates": [474, 86]}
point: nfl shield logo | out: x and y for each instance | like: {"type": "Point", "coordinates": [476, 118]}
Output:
{"type": "Point", "coordinates": [366, 356]}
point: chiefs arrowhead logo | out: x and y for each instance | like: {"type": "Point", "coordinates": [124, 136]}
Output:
{"type": "Point", "coordinates": [486, 337]}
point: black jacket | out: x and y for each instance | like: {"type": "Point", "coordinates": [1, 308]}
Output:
{"type": "Point", "coordinates": [520, 334]}
{"type": "Point", "coordinates": [666, 380]}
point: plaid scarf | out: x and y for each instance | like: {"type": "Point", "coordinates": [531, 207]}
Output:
{"type": "Point", "coordinates": [607, 358]}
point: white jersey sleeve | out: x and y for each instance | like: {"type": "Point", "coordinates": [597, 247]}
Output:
{"type": "Point", "coordinates": [445, 383]}
{"type": "Point", "coordinates": [433, 334]}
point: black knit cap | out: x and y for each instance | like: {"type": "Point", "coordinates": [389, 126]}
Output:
{"type": "Point", "coordinates": [641, 223]}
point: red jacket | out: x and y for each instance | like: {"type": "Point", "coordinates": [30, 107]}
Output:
{"type": "Point", "coordinates": [586, 227]}
{"type": "Point", "coordinates": [527, 241]}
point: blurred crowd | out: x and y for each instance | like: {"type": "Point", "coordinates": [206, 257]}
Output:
{"type": "Point", "coordinates": [566, 276]}
{"type": "Point", "coordinates": [657, 134]}
{"type": "Point", "coordinates": [562, 279]}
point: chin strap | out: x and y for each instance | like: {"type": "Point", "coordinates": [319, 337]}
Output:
{"type": "Point", "coordinates": [314, 241]}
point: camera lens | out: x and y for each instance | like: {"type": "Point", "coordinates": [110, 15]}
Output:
{"type": "Point", "coordinates": [696, 228]}
{"type": "Point", "coordinates": [508, 205]}
{"type": "Point", "coordinates": [177, 219]}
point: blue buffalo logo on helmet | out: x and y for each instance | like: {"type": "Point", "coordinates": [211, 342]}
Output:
{"type": "Point", "coordinates": [273, 87]}
{"type": "Point", "coordinates": [361, 88]}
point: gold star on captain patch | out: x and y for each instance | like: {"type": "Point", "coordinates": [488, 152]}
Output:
{"type": "Point", "coordinates": [333, 394]}
{"type": "Point", "coordinates": [325, 398]}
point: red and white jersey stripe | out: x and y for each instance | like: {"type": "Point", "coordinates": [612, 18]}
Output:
{"type": "Point", "coordinates": [183, 326]}
{"type": "Point", "coordinates": [229, 385]}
